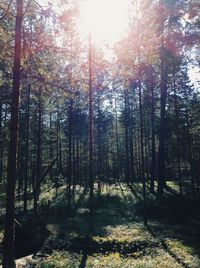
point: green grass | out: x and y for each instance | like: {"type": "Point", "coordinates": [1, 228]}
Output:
{"type": "Point", "coordinates": [61, 260]}
{"type": "Point", "coordinates": [119, 239]}
{"type": "Point", "coordinates": [117, 223]}
{"type": "Point", "coordinates": [109, 260]}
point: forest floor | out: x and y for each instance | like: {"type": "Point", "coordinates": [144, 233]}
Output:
{"type": "Point", "coordinates": [118, 238]}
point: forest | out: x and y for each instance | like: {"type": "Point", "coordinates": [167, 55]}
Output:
{"type": "Point", "coordinates": [100, 133]}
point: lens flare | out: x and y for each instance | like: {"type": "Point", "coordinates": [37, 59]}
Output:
{"type": "Point", "coordinates": [105, 20]}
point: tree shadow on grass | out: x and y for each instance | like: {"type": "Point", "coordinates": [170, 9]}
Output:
{"type": "Point", "coordinates": [109, 210]}
{"type": "Point", "coordinates": [167, 249]}
{"type": "Point", "coordinates": [115, 210]}
{"type": "Point", "coordinates": [83, 261]}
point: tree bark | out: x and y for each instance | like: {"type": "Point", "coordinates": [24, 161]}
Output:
{"type": "Point", "coordinates": [51, 149]}
{"type": "Point", "coordinates": [91, 179]}
{"type": "Point", "coordinates": [9, 237]}
{"type": "Point", "coordinates": [117, 141]}
{"type": "Point", "coordinates": [69, 156]}
{"type": "Point", "coordinates": [161, 153]}
{"type": "Point", "coordinates": [189, 138]}
{"type": "Point", "coordinates": [27, 147]}
{"type": "Point", "coordinates": [142, 152]}
{"type": "Point", "coordinates": [153, 146]}
{"type": "Point", "coordinates": [177, 135]}
{"type": "Point", "coordinates": [126, 101]}
{"type": "Point", "coordinates": [39, 151]}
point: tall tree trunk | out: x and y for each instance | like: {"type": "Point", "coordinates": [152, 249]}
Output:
{"type": "Point", "coordinates": [19, 166]}
{"type": "Point", "coordinates": [132, 169]}
{"type": "Point", "coordinates": [127, 175]}
{"type": "Point", "coordinates": [9, 238]}
{"type": "Point", "coordinates": [177, 135]}
{"type": "Point", "coordinates": [189, 138]}
{"type": "Point", "coordinates": [136, 158]}
{"type": "Point", "coordinates": [4, 142]}
{"type": "Point", "coordinates": [27, 147]}
{"type": "Point", "coordinates": [39, 151]}
{"type": "Point", "coordinates": [99, 141]}
{"type": "Point", "coordinates": [73, 168]}
{"type": "Point", "coordinates": [57, 152]}
{"type": "Point", "coordinates": [163, 97]}
{"type": "Point", "coordinates": [153, 146]}
{"type": "Point", "coordinates": [77, 160]}
{"type": "Point", "coordinates": [117, 140]}
{"type": "Point", "coordinates": [142, 151]}
{"type": "Point", "coordinates": [69, 155]}
{"type": "Point", "coordinates": [139, 151]}
{"type": "Point", "coordinates": [91, 179]}
{"type": "Point", "coordinates": [51, 156]}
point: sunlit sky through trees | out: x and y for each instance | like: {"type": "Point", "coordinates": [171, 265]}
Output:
{"type": "Point", "coordinates": [107, 21]}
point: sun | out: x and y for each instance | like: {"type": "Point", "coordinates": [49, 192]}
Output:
{"type": "Point", "coordinates": [105, 20]}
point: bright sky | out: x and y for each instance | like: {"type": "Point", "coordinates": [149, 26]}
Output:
{"type": "Point", "coordinates": [106, 20]}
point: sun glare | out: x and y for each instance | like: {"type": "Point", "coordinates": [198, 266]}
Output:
{"type": "Point", "coordinates": [105, 20]}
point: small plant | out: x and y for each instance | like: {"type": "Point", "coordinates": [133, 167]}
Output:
{"type": "Point", "coordinates": [61, 260]}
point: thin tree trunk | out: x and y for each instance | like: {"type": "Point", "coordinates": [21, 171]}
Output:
{"type": "Point", "coordinates": [117, 141]}
{"type": "Point", "coordinates": [190, 151]}
{"type": "Point", "coordinates": [136, 158]}
{"type": "Point", "coordinates": [91, 179]}
{"type": "Point", "coordinates": [99, 141]}
{"type": "Point", "coordinates": [153, 146]}
{"type": "Point", "coordinates": [69, 156]}
{"type": "Point", "coordinates": [39, 151]}
{"type": "Point", "coordinates": [161, 157]}
{"type": "Point", "coordinates": [19, 166]}
{"type": "Point", "coordinates": [27, 148]}
{"type": "Point", "coordinates": [57, 152]}
{"type": "Point", "coordinates": [177, 136]}
{"type": "Point", "coordinates": [51, 143]}
{"type": "Point", "coordinates": [132, 169]}
{"type": "Point", "coordinates": [73, 168]}
{"type": "Point", "coordinates": [139, 151]}
{"type": "Point", "coordinates": [127, 175]}
{"type": "Point", "coordinates": [142, 152]}
{"type": "Point", "coordinates": [77, 160]}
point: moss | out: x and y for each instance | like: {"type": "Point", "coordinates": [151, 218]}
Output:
{"type": "Point", "coordinates": [185, 253]}
{"type": "Point", "coordinates": [126, 233]}
{"type": "Point", "coordinates": [61, 260]}
{"type": "Point", "coordinates": [114, 260]}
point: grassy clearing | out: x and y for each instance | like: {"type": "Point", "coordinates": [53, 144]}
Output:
{"type": "Point", "coordinates": [186, 253]}
{"type": "Point", "coordinates": [118, 227]}
{"type": "Point", "coordinates": [119, 238]}
{"type": "Point", "coordinates": [109, 260]}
